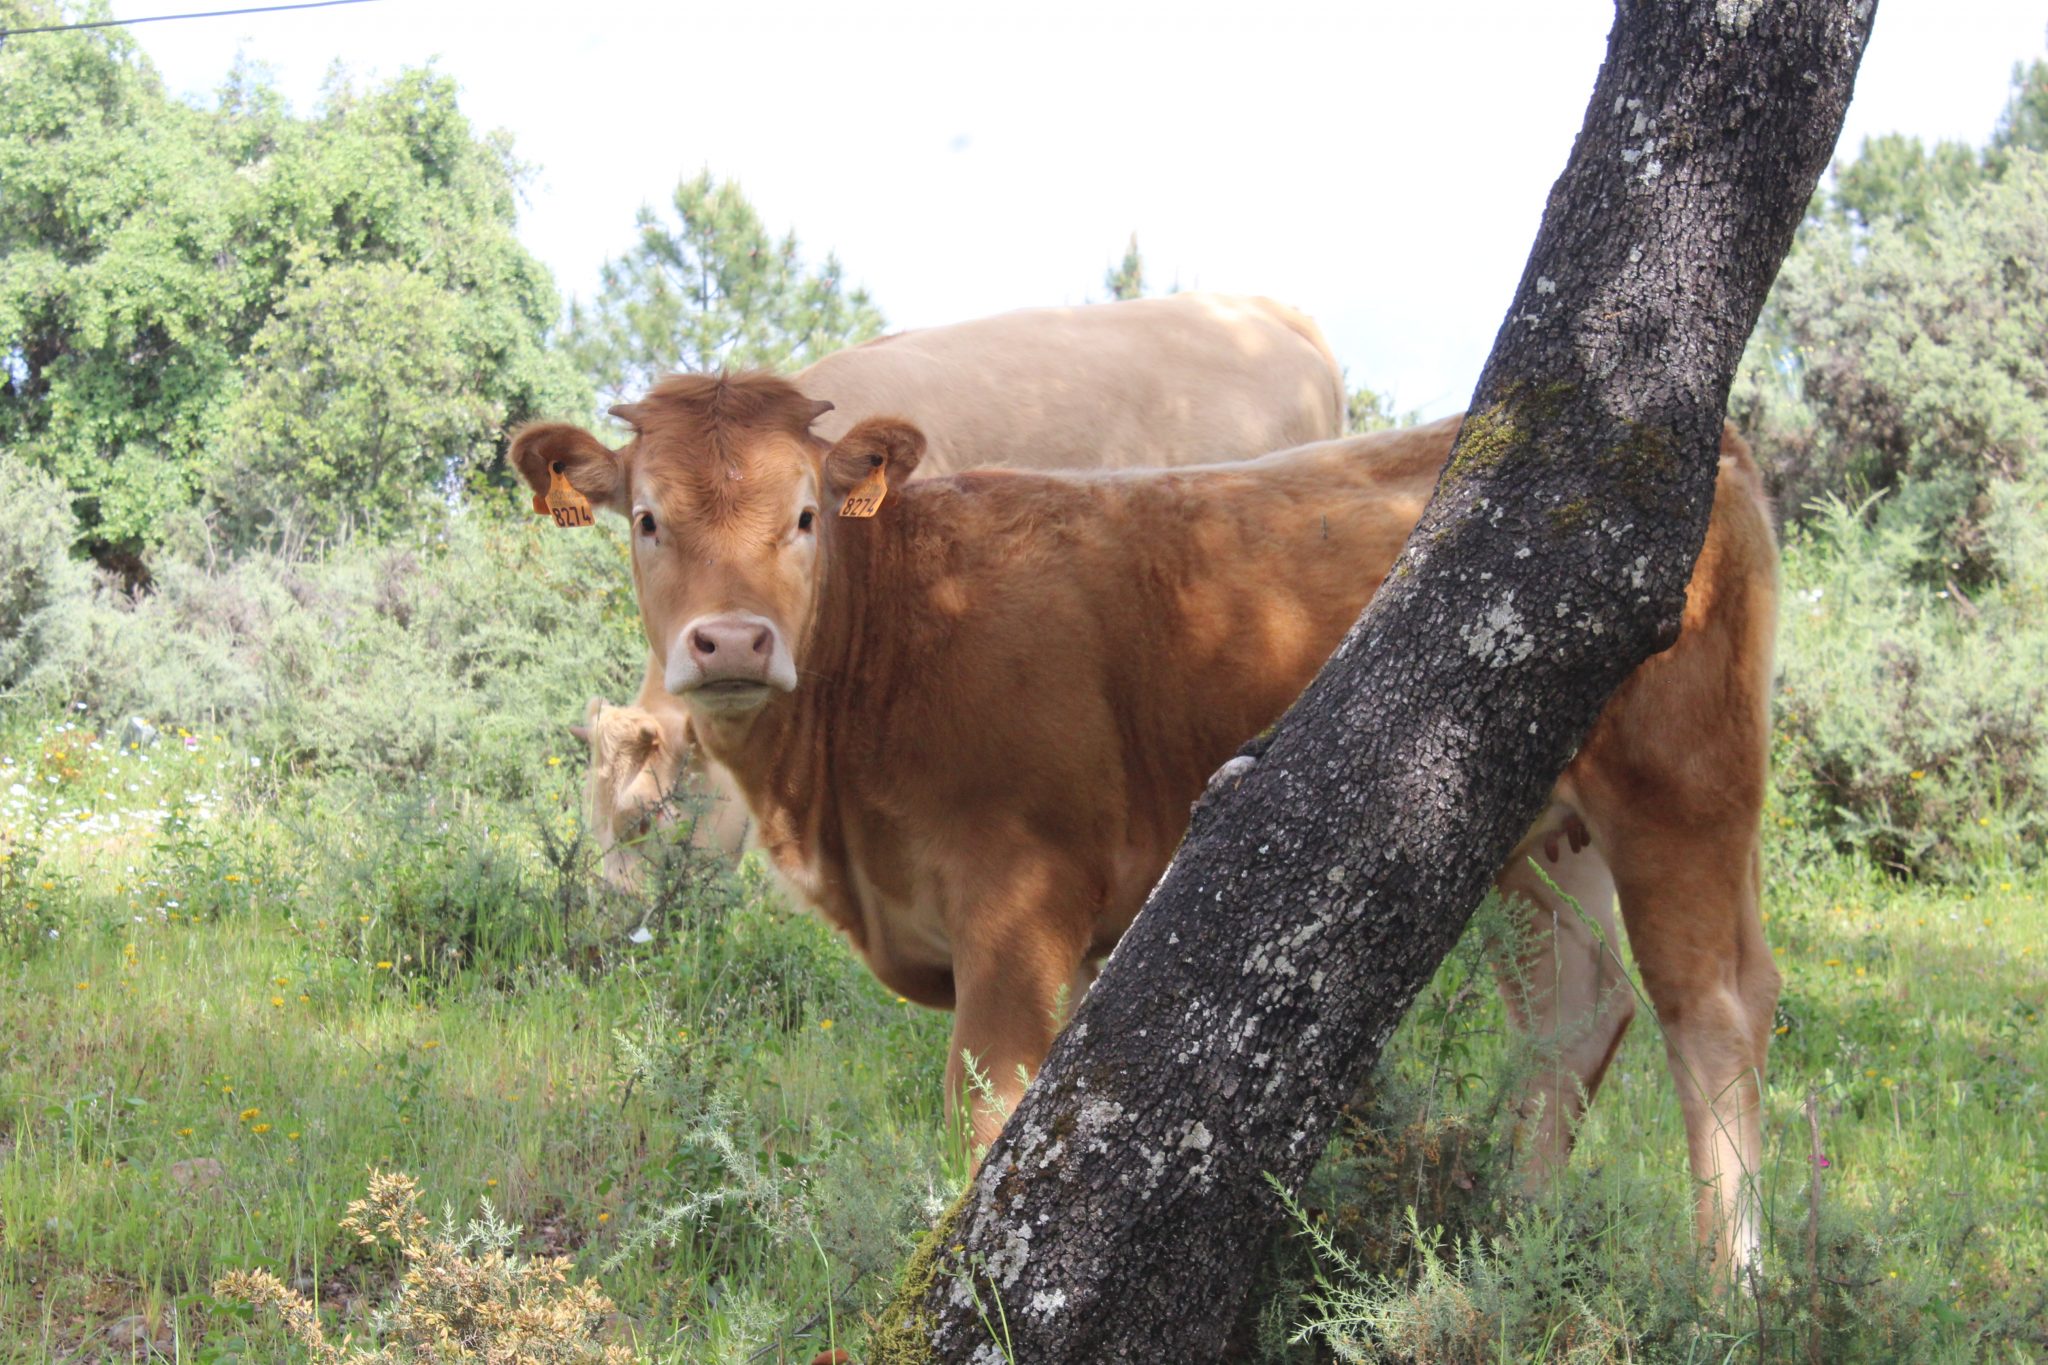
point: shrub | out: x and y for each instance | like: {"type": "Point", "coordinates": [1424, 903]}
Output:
{"type": "Point", "coordinates": [1912, 722]}
{"type": "Point", "coordinates": [452, 657]}
{"type": "Point", "coordinates": [1907, 360]}
{"type": "Point", "coordinates": [32, 901]}
{"type": "Point", "coordinates": [43, 590]}
{"type": "Point", "coordinates": [463, 1296]}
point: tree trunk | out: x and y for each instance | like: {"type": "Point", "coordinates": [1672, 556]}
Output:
{"type": "Point", "coordinates": [1118, 1215]}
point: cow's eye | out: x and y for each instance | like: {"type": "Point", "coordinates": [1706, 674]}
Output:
{"type": "Point", "coordinates": [804, 520]}
{"type": "Point", "coordinates": [646, 524]}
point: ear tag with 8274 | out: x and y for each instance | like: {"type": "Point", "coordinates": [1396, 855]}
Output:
{"type": "Point", "coordinates": [567, 506]}
{"type": "Point", "coordinates": [864, 499]}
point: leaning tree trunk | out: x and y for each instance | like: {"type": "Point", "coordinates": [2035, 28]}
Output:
{"type": "Point", "coordinates": [1118, 1215]}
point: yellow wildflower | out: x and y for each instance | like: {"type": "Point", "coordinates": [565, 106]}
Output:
{"type": "Point", "coordinates": [248, 1114]}
{"type": "Point", "coordinates": [277, 1002]}
{"type": "Point", "coordinates": [825, 1024]}
{"type": "Point", "coordinates": [384, 966]}
{"type": "Point", "coordinates": [260, 1128]}
{"type": "Point", "coordinates": [84, 985]}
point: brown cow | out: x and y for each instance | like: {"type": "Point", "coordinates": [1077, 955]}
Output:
{"type": "Point", "coordinates": [970, 726]}
{"type": "Point", "coordinates": [1189, 379]}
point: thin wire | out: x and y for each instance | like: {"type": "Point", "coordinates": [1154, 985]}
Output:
{"type": "Point", "coordinates": [6, 33]}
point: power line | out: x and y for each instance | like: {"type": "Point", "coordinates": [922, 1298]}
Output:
{"type": "Point", "coordinates": [6, 33]}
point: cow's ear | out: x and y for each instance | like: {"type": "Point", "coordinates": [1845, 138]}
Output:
{"type": "Point", "coordinates": [888, 445]}
{"type": "Point", "coordinates": [592, 709]}
{"type": "Point", "coordinates": [590, 466]}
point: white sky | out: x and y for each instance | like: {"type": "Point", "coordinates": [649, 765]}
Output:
{"type": "Point", "coordinates": [1381, 166]}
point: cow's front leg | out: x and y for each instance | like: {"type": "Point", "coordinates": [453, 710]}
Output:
{"type": "Point", "coordinates": [1012, 983]}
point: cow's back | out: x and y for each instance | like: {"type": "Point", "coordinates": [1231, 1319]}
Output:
{"type": "Point", "coordinates": [1132, 630]}
{"type": "Point", "coordinates": [1185, 379]}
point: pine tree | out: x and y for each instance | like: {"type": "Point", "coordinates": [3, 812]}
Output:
{"type": "Point", "coordinates": [1126, 279]}
{"type": "Point", "coordinates": [710, 288]}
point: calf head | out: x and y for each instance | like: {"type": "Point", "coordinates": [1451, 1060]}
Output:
{"type": "Point", "coordinates": [730, 500]}
{"type": "Point", "coordinates": [631, 771]}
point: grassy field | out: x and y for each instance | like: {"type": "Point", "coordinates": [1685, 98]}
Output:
{"type": "Point", "coordinates": [229, 999]}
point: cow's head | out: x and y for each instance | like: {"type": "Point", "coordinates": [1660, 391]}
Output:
{"type": "Point", "coordinates": [730, 502]}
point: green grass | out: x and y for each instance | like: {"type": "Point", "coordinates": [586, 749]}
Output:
{"type": "Point", "coordinates": [216, 992]}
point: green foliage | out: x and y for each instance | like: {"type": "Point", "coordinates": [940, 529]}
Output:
{"type": "Point", "coordinates": [1416, 1239]}
{"type": "Point", "coordinates": [1896, 180]}
{"type": "Point", "coordinates": [1370, 410]}
{"type": "Point", "coordinates": [712, 288]}
{"type": "Point", "coordinates": [33, 903]}
{"type": "Point", "coordinates": [455, 659]}
{"type": "Point", "coordinates": [361, 406]}
{"type": "Point", "coordinates": [40, 584]}
{"type": "Point", "coordinates": [1126, 279]}
{"type": "Point", "coordinates": [1910, 362]}
{"type": "Point", "coordinates": [181, 290]}
{"type": "Point", "coordinates": [2024, 123]}
{"type": "Point", "coordinates": [1913, 721]}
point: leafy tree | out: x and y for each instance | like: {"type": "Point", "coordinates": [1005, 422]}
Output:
{"type": "Point", "coordinates": [1897, 180]}
{"type": "Point", "coordinates": [361, 400]}
{"type": "Point", "coordinates": [1126, 279]}
{"type": "Point", "coordinates": [1900, 354]}
{"type": "Point", "coordinates": [1370, 410]}
{"type": "Point", "coordinates": [1907, 360]}
{"type": "Point", "coordinates": [148, 246]}
{"type": "Point", "coordinates": [712, 289]}
{"type": "Point", "coordinates": [2024, 124]}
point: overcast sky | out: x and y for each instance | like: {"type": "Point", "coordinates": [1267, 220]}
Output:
{"type": "Point", "coordinates": [1381, 166]}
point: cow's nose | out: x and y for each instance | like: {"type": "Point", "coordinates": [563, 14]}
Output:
{"type": "Point", "coordinates": [733, 639]}
{"type": "Point", "coordinates": [731, 648]}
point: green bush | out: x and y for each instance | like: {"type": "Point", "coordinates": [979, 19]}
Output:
{"type": "Point", "coordinates": [453, 658]}
{"type": "Point", "coordinates": [1912, 721]}
{"type": "Point", "coordinates": [1906, 359]}
{"type": "Point", "coordinates": [42, 588]}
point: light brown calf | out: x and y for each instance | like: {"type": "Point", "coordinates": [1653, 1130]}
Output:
{"type": "Point", "coordinates": [970, 727]}
{"type": "Point", "coordinates": [1187, 379]}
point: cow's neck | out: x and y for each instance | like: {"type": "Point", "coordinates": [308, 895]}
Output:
{"type": "Point", "coordinates": [783, 757]}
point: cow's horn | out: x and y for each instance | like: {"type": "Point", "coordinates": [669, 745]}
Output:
{"type": "Point", "coordinates": [629, 413]}
{"type": "Point", "coordinates": [818, 409]}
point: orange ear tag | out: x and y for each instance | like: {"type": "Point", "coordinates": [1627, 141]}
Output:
{"type": "Point", "coordinates": [563, 502]}
{"type": "Point", "coordinates": [864, 499]}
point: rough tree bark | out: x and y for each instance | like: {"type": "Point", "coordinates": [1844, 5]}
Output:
{"type": "Point", "coordinates": [1117, 1216]}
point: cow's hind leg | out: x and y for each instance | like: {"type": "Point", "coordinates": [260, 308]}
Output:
{"type": "Point", "coordinates": [1690, 900]}
{"type": "Point", "coordinates": [1565, 990]}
